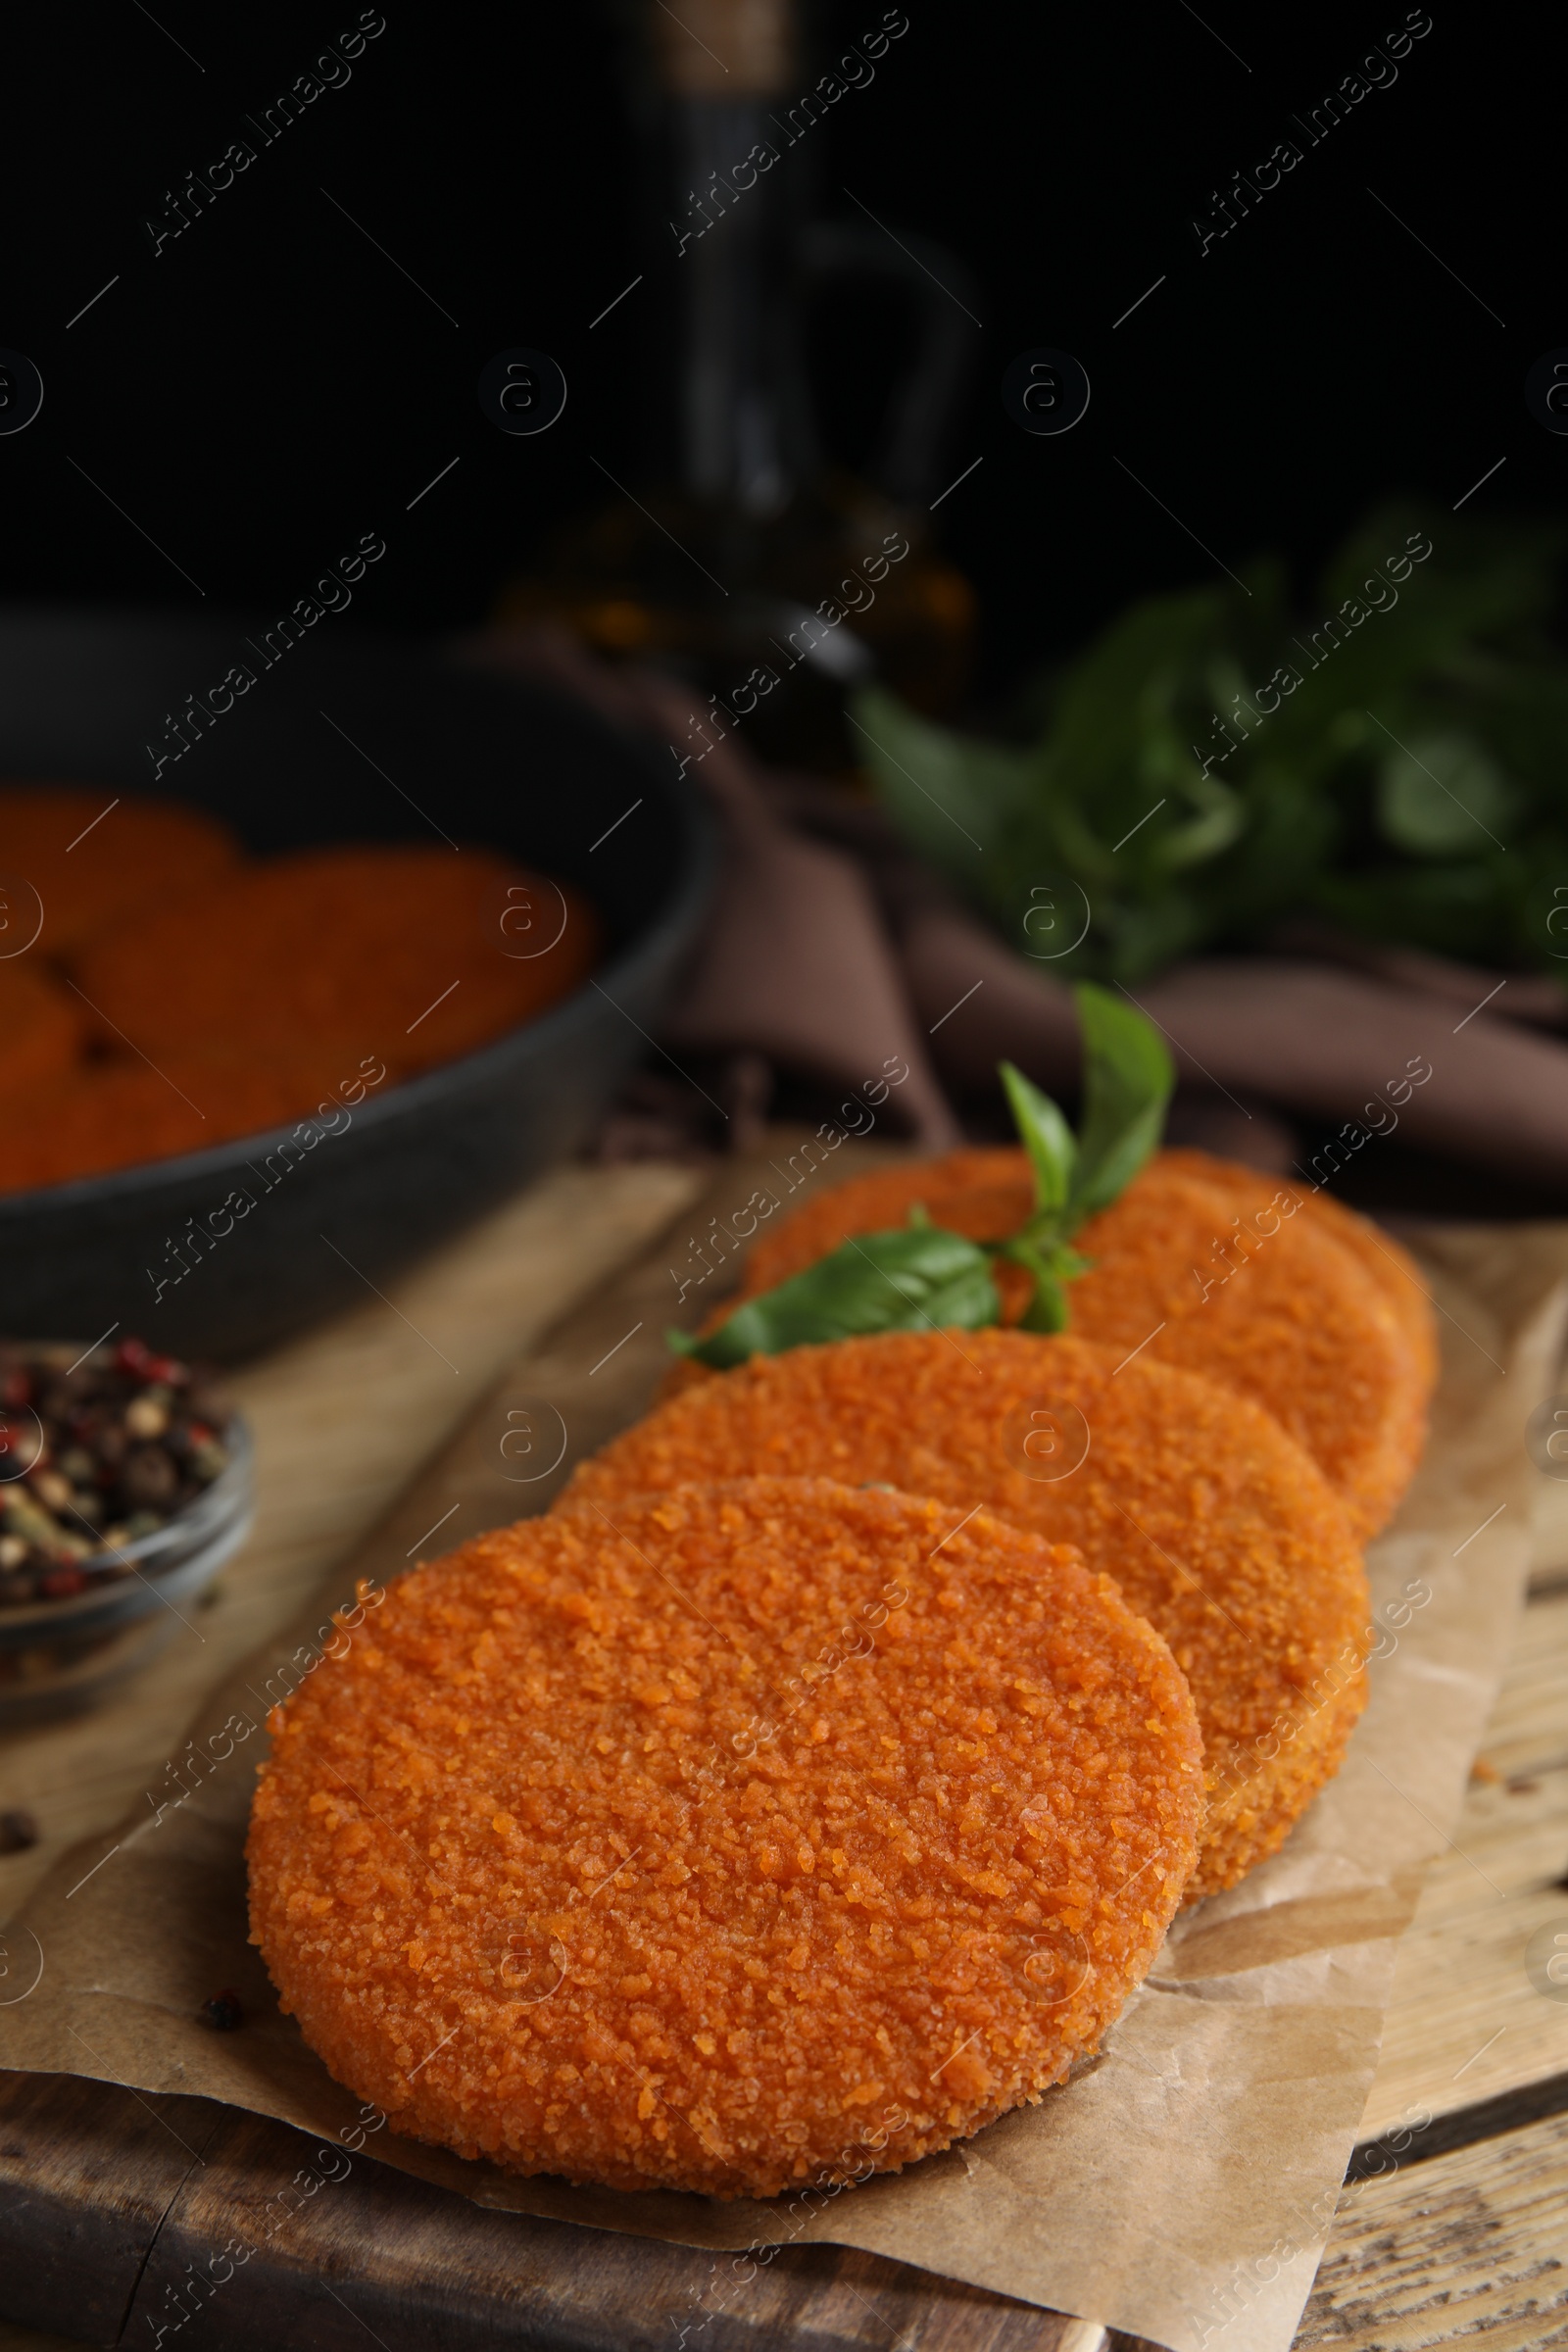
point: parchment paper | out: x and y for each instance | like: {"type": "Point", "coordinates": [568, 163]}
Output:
{"type": "Point", "coordinates": [1181, 2187]}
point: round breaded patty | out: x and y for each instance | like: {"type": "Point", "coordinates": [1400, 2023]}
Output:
{"type": "Point", "coordinates": [390, 950]}
{"type": "Point", "coordinates": [1291, 1317]}
{"type": "Point", "coordinates": [726, 1840]}
{"type": "Point", "coordinates": [1214, 1524]}
{"type": "Point", "coordinates": [96, 860]}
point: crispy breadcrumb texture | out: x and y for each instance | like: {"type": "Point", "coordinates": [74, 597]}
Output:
{"type": "Point", "coordinates": [1287, 1317]}
{"type": "Point", "coordinates": [1267, 1289]}
{"type": "Point", "coordinates": [1216, 1527]}
{"type": "Point", "coordinates": [1385, 1261]}
{"type": "Point", "coordinates": [751, 1834]}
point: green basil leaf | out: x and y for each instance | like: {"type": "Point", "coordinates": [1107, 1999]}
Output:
{"type": "Point", "coordinates": [1044, 1135]}
{"type": "Point", "coordinates": [1209, 763]}
{"type": "Point", "coordinates": [948, 794]}
{"type": "Point", "coordinates": [1128, 1078]}
{"type": "Point", "coordinates": [1438, 796]}
{"type": "Point", "coordinates": [911, 1279]}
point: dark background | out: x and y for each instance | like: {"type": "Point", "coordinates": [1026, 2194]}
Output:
{"type": "Point", "coordinates": [270, 386]}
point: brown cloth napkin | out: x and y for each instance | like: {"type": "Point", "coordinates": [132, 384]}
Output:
{"type": "Point", "coordinates": [831, 947]}
{"type": "Point", "coordinates": [793, 960]}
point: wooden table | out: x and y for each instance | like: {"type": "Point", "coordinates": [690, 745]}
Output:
{"type": "Point", "coordinates": [1453, 2230]}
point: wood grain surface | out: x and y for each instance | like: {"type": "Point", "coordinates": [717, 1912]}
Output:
{"type": "Point", "coordinates": [1469, 2249]}
{"type": "Point", "coordinates": [109, 2200]}
{"type": "Point", "coordinates": [170, 2182]}
{"type": "Point", "coordinates": [1466, 2024]}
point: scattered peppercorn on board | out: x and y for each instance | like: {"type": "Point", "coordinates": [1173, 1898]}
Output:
{"type": "Point", "coordinates": [103, 2206]}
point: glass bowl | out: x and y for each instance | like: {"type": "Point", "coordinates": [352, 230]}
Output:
{"type": "Point", "coordinates": [59, 1655]}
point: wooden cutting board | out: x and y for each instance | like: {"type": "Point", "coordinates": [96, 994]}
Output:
{"type": "Point", "coordinates": [110, 2200]}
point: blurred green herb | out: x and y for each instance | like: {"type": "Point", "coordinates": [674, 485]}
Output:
{"type": "Point", "coordinates": [1393, 763]}
{"type": "Point", "coordinates": [922, 1276]}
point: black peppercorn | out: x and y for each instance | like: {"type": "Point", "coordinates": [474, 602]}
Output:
{"type": "Point", "coordinates": [148, 1478]}
{"type": "Point", "coordinates": [95, 1454]}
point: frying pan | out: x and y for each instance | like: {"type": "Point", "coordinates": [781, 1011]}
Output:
{"type": "Point", "coordinates": [344, 735]}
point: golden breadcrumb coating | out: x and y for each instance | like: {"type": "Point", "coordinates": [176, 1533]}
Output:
{"type": "Point", "coordinates": [1215, 1525]}
{"type": "Point", "coordinates": [1284, 1315]}
{"type": "Point", "coordinates": [1386, 1264]}
{"type": "Point", "coordinates": [743, 1836]}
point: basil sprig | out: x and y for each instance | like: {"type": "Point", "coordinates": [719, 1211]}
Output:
{"type": "Point", "coordinates": [1128, 1077]}
{"type": "Point", "coordinates": [914, 1277]}
{"type": "Point", "coordinates": [921, 1275]}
